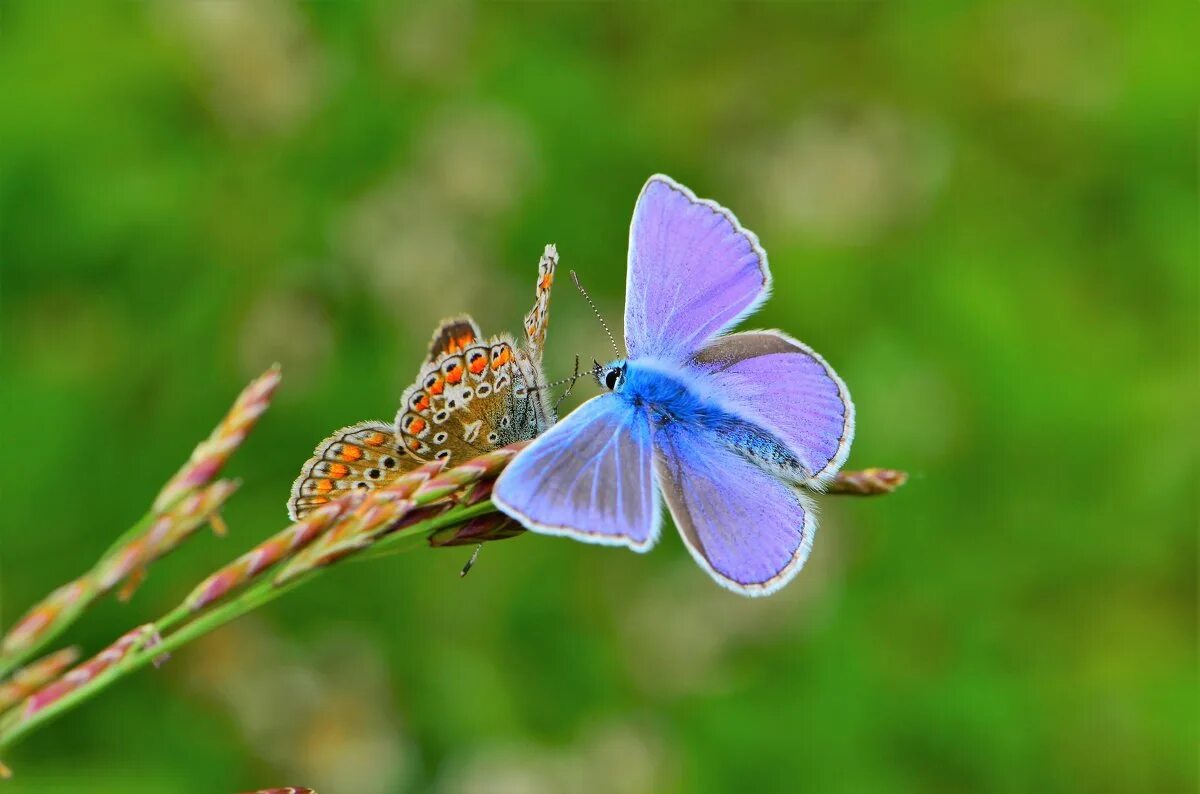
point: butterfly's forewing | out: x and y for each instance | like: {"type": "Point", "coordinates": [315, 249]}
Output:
{"type": "Point", "coordinates": [588, 478]}
{"type": "Point", "coordinates": [693, 272]}
{"type": "Point", "coordinates": [470, 400]}
{"type": "Point", "coordinates": [789, 389]}
{"type": "Point", "coordinates": [749, 530]}
{"type": "Point", "coordinates": [364, 455]}
{"type": "Point", "coordinates": [466, 404]}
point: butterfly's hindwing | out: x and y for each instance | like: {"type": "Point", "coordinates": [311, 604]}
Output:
{"type": "Point", "coordinates": [790, 390]}
{"type": "Point", "coordinates": [363, 455]}
{"type": "Point", "coordinates": [750, 530]}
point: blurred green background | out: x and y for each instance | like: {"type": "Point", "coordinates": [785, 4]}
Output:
{"type": "Point", "coordinates": [984, 215]}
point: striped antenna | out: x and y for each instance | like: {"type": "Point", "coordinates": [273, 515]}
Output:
{"type": "Point", "coordinates": [599, 317]}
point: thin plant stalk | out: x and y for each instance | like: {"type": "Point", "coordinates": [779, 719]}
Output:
{"type": "Point", "coordinates": [53, 615]}
{"type": "Point", "coordinates": [190, 499]}
{"type": "Point", "coordinates": [262, 592]}
{"type": "Point", "coordinates": [444, 506]}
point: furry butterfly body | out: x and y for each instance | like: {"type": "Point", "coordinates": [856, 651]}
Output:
{"type": "Point", "coordinates": [732, 430]}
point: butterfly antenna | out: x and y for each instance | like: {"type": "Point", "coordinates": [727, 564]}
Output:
{"type": "Point", "coordinates": [471, 562]}
{"type": "Point", "coordinates": [599, 316]}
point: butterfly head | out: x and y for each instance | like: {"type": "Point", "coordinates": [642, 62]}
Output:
{"type": "Point", "coordinates": [612, 375]}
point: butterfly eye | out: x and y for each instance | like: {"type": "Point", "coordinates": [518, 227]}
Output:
{"type": "Point", "coordinates": [611, 378]}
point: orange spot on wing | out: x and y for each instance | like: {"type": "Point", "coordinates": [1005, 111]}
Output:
{"type": "Point", "coordinates": [338, 470]}
{"type": "Point", "coordinates": [376, 440]}
{"type": "Point", "coordinates": [317, 500]}
{"type": "Point", "coordinates": [414, 424]}
{"type": "Point", "coordinates": [455, 375]}
{"type": "Point", "coordinates": [502, 357]}
{"type": "Point", "coordinates": [478, 364]}
{"type": "Point", "coordinates": [351, 453]}
{"type": "Point", "coordinates": [460, 343]}
{"type": "Point", "coordinates": [324, 486]}
{"type": "Point", "coordinates": [414, 445]}
{"type": "Point", "coordinates": [438, 386]}
{"type": "Point", "coordinates": [420, 401]}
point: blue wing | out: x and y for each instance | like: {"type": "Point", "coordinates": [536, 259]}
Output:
{"type": "Point", "coordinates": [751, 531]}
{"type": "Point", "coordinates": [588, 477]}
{"type": "Point", "coordinates": [693, 272]}
{"type": "Point", "coordinates": [787, 388]}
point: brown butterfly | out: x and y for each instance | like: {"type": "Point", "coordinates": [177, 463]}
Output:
{"type": "Point", "coordinates": [470, 397]}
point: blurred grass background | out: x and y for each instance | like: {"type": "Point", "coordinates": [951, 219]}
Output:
{"type": "Point", "coordinates": [984, 215]}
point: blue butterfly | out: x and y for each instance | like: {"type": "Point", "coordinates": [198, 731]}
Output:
{"type": "Point", "coordinates": [732, 428]}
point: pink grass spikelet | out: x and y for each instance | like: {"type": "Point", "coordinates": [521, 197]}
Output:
{"type": "Point", "coordinates": [382, 503]}
{"type": "Point", "coordinates": [62, 604]}
{"type": "Point", "coordinates": [34, 676]}
{"type": "Point", "coordinates": [167, 532]}
{"type": "Point", "coordinates": [379, 511]}
{"type": "Point", "coordinates": [269, 552]}
{"type": "Point", "coordinates": [482, 529]}
{"type": "Point", "coordinates": [212, 453]}
{"type": "Point", "coordinates": [88, 671]}
{"type": "Point", "coordinates": [386, 509]}
{"type": "Point", "coordinates": [868, 482]}
{"type": "Point", "coordinates": [182, 506]}
{"type": "Point", "coordinates": [484, 467]}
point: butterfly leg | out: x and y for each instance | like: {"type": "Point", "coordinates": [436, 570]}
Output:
{"type": "Point", "coordinates": [570, 387]}
{"type": "Point", "coordinates": [471, 562]}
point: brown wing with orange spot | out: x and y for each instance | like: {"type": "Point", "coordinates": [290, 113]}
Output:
{"type": "Point", "coordinates": [366, 455]}
{"type": "Point", "coordinates": [453, 336]}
